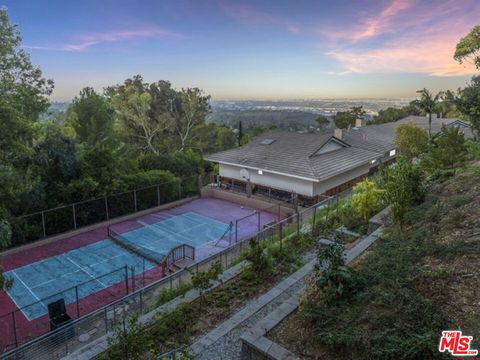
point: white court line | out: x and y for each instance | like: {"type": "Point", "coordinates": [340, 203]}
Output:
{"type": "Point", "coordinates": [86, 272]}
{"type": "Point", "coordinates": [75, 271]}
{"type": "Point", "coordinates": [31, 292]}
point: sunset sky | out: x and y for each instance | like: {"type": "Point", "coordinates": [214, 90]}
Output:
{"type": "Point", "coordinates": [250, 49]}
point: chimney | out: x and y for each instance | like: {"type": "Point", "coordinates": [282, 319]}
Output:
{"type": "Point", "coordinates": [360, 122]}
{"type": "Point", "coordinates": [338, 133]}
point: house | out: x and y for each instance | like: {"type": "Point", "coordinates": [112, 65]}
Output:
{"type": "Point", "coordinates": [310, 165]}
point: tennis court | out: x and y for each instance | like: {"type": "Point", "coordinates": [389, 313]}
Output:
{"type": "Point", "coordinates": [56, 277]}
{"type": "Point", "coordinates": [156, 239]}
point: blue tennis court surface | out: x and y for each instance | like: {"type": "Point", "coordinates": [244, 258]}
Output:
{"type": "Point", "coordinates": [38, 284]}
{"type": "Point", "coordinates": [155, 240]}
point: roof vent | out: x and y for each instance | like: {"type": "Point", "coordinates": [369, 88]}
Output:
{"type": "Point", "coordinates": [267, 141]}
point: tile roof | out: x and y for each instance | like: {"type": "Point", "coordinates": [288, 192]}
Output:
{"type": "Point", "coordinates": [294, 154]}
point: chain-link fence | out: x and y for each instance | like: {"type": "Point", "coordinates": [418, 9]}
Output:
{"type": "Point", "coordinates": [82, 331]}
{"type": "Point", "coordinates": [70, 217]}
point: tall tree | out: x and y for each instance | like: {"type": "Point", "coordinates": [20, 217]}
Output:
{"type": "Point", "coordinates": [92, 118]}
{"type": "Point", "coordinates": [23, 97]}
{"type": "Point", "coordinates": [468, 103]}
{"type": "Point", "coordinates": [194, 107]}
{"type": "Point", "coordinates": [428, 103]}
{"type": "Point", "coordinates": [23, 90]}
{"type": "Point", "coordinates": [132, 101]}
{"type": "Point", "coordinates": [468, 48]}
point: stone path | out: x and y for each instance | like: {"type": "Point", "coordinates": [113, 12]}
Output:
{"type": "Point", "coordinates": [224, 342]}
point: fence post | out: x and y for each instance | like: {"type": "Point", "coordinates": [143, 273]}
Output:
{"type": "Point", "coordinates": [158, 194]}
{"type": "Point", "coordinates": [135, 199]}
{"type": "Point", "coordinates": [236, 230]}
{"type": "Point", "coordinates": [106, 208]}
{"type": "Point", "coordinates": [43, 225]}
{"type": "Point", "coordinates": [314, 219]}
{"type": "Point", "coordinates": [298, 223]}
{"type": "Point", "coordinates": [132, 270]}
{"type": "Point", "coordinates": [281, 236]}
{"type": "Point", "coordinates": [74, 217]}
{"type": "Point", "coordinates": [126, 278]}
{"type": "Point", "coordinates": [258, 212]}
{"type": "Point", "coordinates": [15, 329]}
{"type": "Point", "coordinates": [179, 190]}
{"type": "Point", "coordinates": [78, 305]}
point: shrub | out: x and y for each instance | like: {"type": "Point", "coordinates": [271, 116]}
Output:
{"type": "Point", "coordinates": [260, 262]}
{"type": "Point", "coordinates": [366, 198]}
{"type": "Point", "coordinates": [201, 279]}
{"type": "Point", "coordinates": [404, 187]}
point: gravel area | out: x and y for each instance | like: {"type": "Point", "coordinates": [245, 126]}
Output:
{"type": "Point", "coordinates": [229, 345]}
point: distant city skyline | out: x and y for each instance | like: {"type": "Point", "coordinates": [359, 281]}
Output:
{"type": "Point", "coordinates": [240, 50]}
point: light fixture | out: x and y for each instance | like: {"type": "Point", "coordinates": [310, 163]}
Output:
{"type": "Point", "coordinates": [260, 172]}
{"type": "Point", "coordinates": [393, 152]}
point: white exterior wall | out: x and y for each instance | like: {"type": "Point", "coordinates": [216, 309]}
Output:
{"type": "Point", "coordinates": [321, 187]}
{"type": "Point", "coordinates": [277, 181]}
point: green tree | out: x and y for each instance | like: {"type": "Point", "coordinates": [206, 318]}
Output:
{"type": "Point", "coordinates": [468, 103]}
{"type": "Point", "coordinates": [322, 122]}
{"type": "Point", "coordinates": [447, 151]}
{"type": "Point", "coordinates": [403, 185]}
{"type": "Point", "coordinates": [411, 140]}
{"type": "Point", "coordinates": [344, 119]}
{"type": "Point", "coordinates": [429, 104]}
{"type": "Point", "coordinates": [393, 114]}
{"type": "Point", "coordinates": [54, 160]}
{"type": "Point", "coordinates": [468, 47]}
{"type": "Point", "coordinates": [133, 106]}
{"type": "Point", "coordinates": [194, 107]}
{"type": "Point", "coordinates": [366, 198]}
{"type": "Point", "coordinates": [91, 118]}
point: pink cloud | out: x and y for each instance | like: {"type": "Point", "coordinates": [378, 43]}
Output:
{"type": "Point", "coordinates": [254, 17]}
{"type": "Point", "coordinates": [431, 56]}
{"type": "Point", "coordinates": [415, 39]}
{"type": "Point", "coordinates": [89, 40]}
{"type": "Point", "coordinates": [373, 25]}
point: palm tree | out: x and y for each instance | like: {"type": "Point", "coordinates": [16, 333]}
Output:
{"type": "Point", "coordinates": [429, 104]}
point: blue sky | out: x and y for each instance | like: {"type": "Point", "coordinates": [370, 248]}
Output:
{"type": "Point", "coordinates": [250, 49]}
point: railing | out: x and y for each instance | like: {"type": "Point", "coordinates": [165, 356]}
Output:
{"type": "Point", "coordinates": [179, 252]}
{"type": "Point", "coordinates": [62, 219]}
{"type": "Point", "coordinates": [102, 321]}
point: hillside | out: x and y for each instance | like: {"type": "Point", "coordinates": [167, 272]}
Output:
{"type": "Point", "coordinates": [413, 283]}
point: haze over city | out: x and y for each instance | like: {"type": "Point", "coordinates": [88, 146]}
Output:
{"type": "Point", "coordinates": [250, 49]}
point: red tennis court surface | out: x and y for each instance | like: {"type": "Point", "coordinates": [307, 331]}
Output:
{"type": "Point", "coordinates": [16, 329]}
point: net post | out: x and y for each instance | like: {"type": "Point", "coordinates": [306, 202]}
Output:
{"type": "Point", "coordinates": [132, 270]}
{"type": "Point", "coordinates": [78, 305]}
{"type": "Point", "coordinates": [143, 273]}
